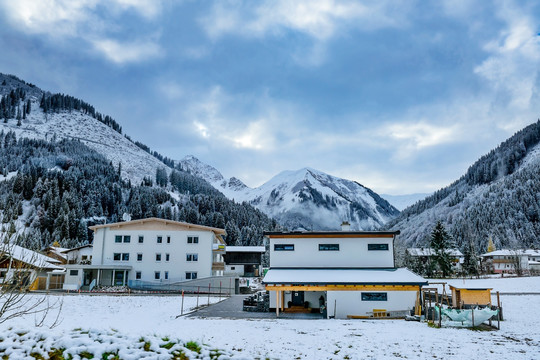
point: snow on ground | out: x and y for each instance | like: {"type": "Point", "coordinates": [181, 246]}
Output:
{"type": "Point", "coordinates": [136, 316]}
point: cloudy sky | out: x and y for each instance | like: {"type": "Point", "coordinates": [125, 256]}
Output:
{"type": "Point", "coordinates": [401, 96]}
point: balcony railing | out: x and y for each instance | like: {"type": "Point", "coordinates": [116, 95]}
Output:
{"type": "Point", "coordinates": [218, 266]}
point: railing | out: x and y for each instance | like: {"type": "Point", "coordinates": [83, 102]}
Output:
{"type": "Point", "coordinates": [217, 266]}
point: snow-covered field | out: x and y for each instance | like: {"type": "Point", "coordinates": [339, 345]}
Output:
{"type": "Point", "coordinates": [147, 316]}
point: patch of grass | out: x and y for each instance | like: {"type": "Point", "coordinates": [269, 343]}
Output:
{"type": "Point", "coordinates": [86, 355]}
{"type": "Point", "coordinates": [167, 346]}
{"type": "Point", "coordinates": [56, 354]}
{"type": "Point", "coordinates": [110, 356]}
{"type": "Point", "coordinates": [147, 345]}
{"type": "Point", "coordinates": [37, 356]}
{"type": "Point", "coordinates": [193, 346]}
{"type": "Point", "coordinates": [5, 357]}
{"type": "Point", "coordinates": [179, 355]}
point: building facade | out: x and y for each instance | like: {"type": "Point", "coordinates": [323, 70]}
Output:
{"type": "Point", "coordinates": [150, 251]}
{"type": "Point", "coordinates": [245, 261]}
{"type": "Point", "coordinates": [340, 274]}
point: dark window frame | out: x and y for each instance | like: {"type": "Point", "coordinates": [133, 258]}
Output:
{"type": "Point", "coordinates": [193, 239]}
{"type": "Point", "coordinates": [378, 247]}
{"type": "Point", "coordinates": [283, 247]}
{"type": "Point", "coordinates": [117, 256]}
{"type": "Point", "coordinates": [374, 296]}
{"type": "Point", "coordinates": [127, 239]}
{"type": "Point", "coordinates": [139, 256]}
{"type": "Point", "coordinates": [138, 275]}
{"type": "Point", "coordinates": [141, 239]}
{"type": "Point", "coordinates": [74, 272]}
{"type": "Point", "coordinates": [159, 239]}
{"type": "Point", "coordinates": [328, 247]}
{"type": "Point", "coordinates": [118, 239]}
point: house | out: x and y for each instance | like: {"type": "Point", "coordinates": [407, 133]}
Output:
{"type": "Point", "coordinates": [507, 261]}
{"type": "Point", "coordinates": [533, 256]}
{"type": "Point", "coordinates": [339, 273]}
{"type": "Point", "coordinates": [57, 253]}
{"type": "Point", "coordinates": [79, 255]}
{"type": "Point", "coordinates": [424, 255]}
{"type": "Point", "coordinates": [244, 261]}
{"type": "Point", "coordinates": [27, 269]}
{"type": "Point", "coordinates": [149, 251]}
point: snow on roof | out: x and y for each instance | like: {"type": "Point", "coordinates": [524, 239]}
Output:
{"type": "Point", "coordinates": [430, 252]}
{"type": "Point", "coordinates": [29, 257]}
{"type": "Point", "coordinates": [245, 249]}
{"type": "Point", "coordinates": [506, 252]}
{"type": "Point", "coordinates": [532, 252]}
{"type": "Point", "coordinates": [343, 276]}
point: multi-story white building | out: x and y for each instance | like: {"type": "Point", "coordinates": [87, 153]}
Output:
{"type": "Point", "coordinates": [506, 261]}
{"type": "Point", "coordinates": [343, 274]}
{"type": "Point", "coordinates": [151, 251]}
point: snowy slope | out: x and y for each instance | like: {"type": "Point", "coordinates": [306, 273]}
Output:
{"type": "Point", "coordinates": [505, 209]}
{"type": "Point", "coordinates": [136, 163]}
{"type": "Point", "coordinates": [304, 199]}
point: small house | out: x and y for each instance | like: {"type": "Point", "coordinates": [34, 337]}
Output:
{"type": "Point", "coordinates": [245, 261]}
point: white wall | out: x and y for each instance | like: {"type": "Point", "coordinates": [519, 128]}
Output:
{"type": "Point", "coordinates": [350, 302]}
{"type": "Point", "coordinates": [311, 296]}
{"type": "Point", "coordinates": [105, 247]}
{"type": "Point", "coordinates": [353, 252]}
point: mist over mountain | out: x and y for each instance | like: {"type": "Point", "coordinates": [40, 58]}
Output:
{"type": "Point", "coordinates": [498, 197]}
{"type": "Point", "coordinates": [305, 199]}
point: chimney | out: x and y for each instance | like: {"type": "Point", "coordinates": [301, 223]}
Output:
{"type": "Point", "coordinates": [345, 226]}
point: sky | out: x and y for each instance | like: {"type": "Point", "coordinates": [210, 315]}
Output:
{"type": "Point", "coordinates": [401, 96]}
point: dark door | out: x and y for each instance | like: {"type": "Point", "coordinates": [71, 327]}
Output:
{"type": "Point", "coordinates": [298, 298]}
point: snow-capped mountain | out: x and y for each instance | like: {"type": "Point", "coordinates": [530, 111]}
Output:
{"type": "Point", "coordinates": [498, 197]}
{"type": "Point", "coordinates": [136, 163]}
{"type": "Point", "coordinates": [401, 202]}
{"type": "Point", "coordinates": [304, 199]}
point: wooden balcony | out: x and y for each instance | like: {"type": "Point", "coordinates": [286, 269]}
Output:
{"type": "Point", "coordinates": [218, 266]}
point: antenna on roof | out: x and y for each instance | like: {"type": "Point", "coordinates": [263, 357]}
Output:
{"type": "Point", "coordinates": [126, 217]}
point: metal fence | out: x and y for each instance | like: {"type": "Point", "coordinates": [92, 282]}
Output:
{"type": "Point", "coordinates": [222, 285]}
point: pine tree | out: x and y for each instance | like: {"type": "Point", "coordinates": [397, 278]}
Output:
{"type": "Point", "coordinates": [440, 243]}
{"type": "Point", "coordinates": [470, 260]}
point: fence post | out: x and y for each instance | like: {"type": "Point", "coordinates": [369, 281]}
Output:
{"type": "Point", "coordinates": [230, 286]}
{"type": "Point", "coordinates": [472, 308]}
{"type": "Point", "coordinates": [198, 291]}
{"type": "Point", "coordinates": [182, 312]}
{"type": "Point", "coordinates": [220, 291]}
{"type": "Point", "coordinates": [208, 294]}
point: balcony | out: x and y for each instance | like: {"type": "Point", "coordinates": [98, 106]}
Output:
{"type": "Point", "coordinates": [218, 266]}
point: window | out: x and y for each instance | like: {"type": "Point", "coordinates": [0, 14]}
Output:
{"type": "Point", "coordinates": [117, 256]}
{"type": "Point", "coordinates": [166, 275]}
{"type": "Point", "coordinates": [192, 239]}
{"type": "Point", "coordinates": [125, 257]}
{"type": "Point", "coordinates": [158, 257]}
{"type": "Point", "coordinates": [328, 247]}
{"type": "Point", "coordinates": [73, 272]}
{"type": "Point", "coordinates": [84, 257]}
{"type": "Point", "coordinates": [168, 239]}
{"type": "Point", "coordinates": [3, 274]}
{"type": "Point", "coordinates": [141, 239]}
{"type": "Point", "coordinates": [377, 246]}
{"type": "Point", "coordinates": [167, 257]}
{"type": "Point", "coordinates": [232, 268]}
{"type": "Point", "coordinates": [127, 238]}
{"type": "Point", "coordinates": [157, 275]}
{"type": "Point", "coordinates": [283, 247]}
{"type": "Point", "coordinates": [138, 275]}
{"type": "Point", "coordinates": [192, 257]}
{"type": "Point", "coordinates": [139, 257]}
{"type": "Point", "coordinates": [159, 239]}
{"type": "Point", "coordinates": [118, 239]}
{"type": "Point", "coordinates": [191, 275]}
{"type": "Point", "coordinates": [375, 296]}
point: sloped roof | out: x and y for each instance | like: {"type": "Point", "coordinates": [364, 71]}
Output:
{"type": "Point", "coordinates": [179, 224]}
{"type": "Point", "coordinates": [77, 248]}
{"type": "Point", "coordinates": [401, 276]}
{"type": "Point", "coordinates": [29, 257]}
{"type": "Point", "coordinates": [506, 252]}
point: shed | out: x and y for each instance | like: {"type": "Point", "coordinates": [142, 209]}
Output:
{"type": "Point", "coordinates": [470, 296]}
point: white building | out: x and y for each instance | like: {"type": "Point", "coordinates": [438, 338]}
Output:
{"type": "Point", "coordinates": [149, 251]}
{"type": "Point", "coordinates": [425, 254]}
{"type": "Point", "coordinates": [79, 255]}
{"type": "Point", "coordinates": [508, 261]}
{"type": "Point", "coordinates": [343, 274]}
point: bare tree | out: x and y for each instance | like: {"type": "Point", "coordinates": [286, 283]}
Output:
{"type": "Point", "coordinates": [19, 268]}
{"type": "Point", "coordinates": [515, 260]}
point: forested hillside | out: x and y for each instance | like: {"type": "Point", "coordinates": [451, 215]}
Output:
{"type": "Point", "coordinates": [499, 196]}
{"type": "Point", "coordinates": [63, 168]}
